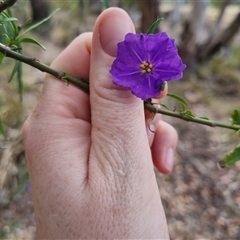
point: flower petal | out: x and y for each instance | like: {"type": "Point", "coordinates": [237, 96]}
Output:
{"type": "Point", "coordinates": [144, 62]}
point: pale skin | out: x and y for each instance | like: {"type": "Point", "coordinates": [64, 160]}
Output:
{"type": "Point", "coordinates": [91, 157]}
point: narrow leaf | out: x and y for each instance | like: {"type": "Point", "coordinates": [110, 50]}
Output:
{"type": "Point", "coordinates": [11, 19]}
{"type": "Point", "coordinates": [15, 29]}
{"type": "Point", "coordinates": [33, 41]}
{"type": "Point", "coordinates": [231, 157]}
{"type": "Point", "coordinates": [178, 98]}
{"type": "Point", "coordinates": [8, 18]}
{"type": "Point", "coordinates": [39, 23]}
{"type": "Point", "coordinates": [20, 80]}
{"type": "Point", "coordinates": [5, 14]}
{"type": "Point", "coordinates": [13, 71]}
{"type": "Point", "coordinates": [1, 57]}
{"type": "Point", "coordinates": [25, 24]}
{"type": "Point", "coordinates": [18, 70]}
{"type": "Point", "coordinates": [8, 39]}
{"type": "Point", "coordinates": [235, 116]}
{"type": "Point", "coordinates": [154, 26]}
{"type": "Point", "coordinates": [188, 113]}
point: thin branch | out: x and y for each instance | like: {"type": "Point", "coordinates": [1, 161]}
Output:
{"type": "Point", "coordinates": [44, 68]}
{"type": "Point", "coordinates": [4, 4]}
{"type": "Point", "coordinates": [84, 85]}
{"type": "Point", "coordinates": [188, 118]}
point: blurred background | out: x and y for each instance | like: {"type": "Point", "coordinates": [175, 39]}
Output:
{"type": "Point", "coordinates": [201, 200]}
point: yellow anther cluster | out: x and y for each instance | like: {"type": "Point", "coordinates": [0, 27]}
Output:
{"type": "Point", "coordinates": [146, 67]}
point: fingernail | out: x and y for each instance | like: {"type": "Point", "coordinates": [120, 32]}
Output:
{"type": "Point", "coordinates": [113, 30]}
{"type": "Point", "coordinates": [169, 159]}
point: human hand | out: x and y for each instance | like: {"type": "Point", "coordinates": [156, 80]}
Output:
{"type": "Point", "coordinates": [89, 160]}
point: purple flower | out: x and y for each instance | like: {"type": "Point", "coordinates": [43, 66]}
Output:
{"type": "Point", "coordinates": [144, 62]}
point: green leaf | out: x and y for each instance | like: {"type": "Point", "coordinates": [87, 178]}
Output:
{"type": "Point", "coordinates": [39, 23]}
{"type": "Point", "coordinates": [1, 127]}
{"type": "Point", "coordinates": [10, 19]}
{"type": "Point", "coordinates": [13, 71]}
{"type": "Point", "coordinates": [5, 14]}
{"type": "Point", "coordinates": [15, 29]}
{"type": "Point", "coordinates": [235, 117]}
{"type": "Point", "coordinates": [188, 113]}
{"type": "Point", "coordinates": [33, 41]}
{"type": "Point", "coordinates": [25, 24]}
{"type": "Point", "coordinates": [8, 39]}
{"type": "Point", "coordinates": [181, 100]}
{"type": "Point", "coordinates": [18, 70]}
{"type": "Point", "coordinates": [231, 157]}
{"type": "Point", "coordinates": [154, 26]}
{"type": "Point", "coordinates": [1, 57]}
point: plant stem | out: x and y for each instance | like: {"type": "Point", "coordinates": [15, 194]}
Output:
{"type": "Point", "coordinates": [211, 123]}
{"type": "Point", "coordinates": [44, 68]}
{"type": "Point", "coordinates": [84, 85]}
{"type": "Point", "coordinates": [4, 4]}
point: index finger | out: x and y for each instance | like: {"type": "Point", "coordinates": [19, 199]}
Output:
{"type": "Point", "coordinates": [74, 61]}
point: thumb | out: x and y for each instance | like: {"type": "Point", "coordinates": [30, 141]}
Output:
{"type": "Point", "coordinates": [110, 103]}
{"type": "Point", "coordinates": [110, 29]}
{"type": "Point", "coordinates": [117, 115]}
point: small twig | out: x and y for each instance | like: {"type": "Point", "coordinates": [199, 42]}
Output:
{"type": "Point", "coordinates": [4, 4]}
{"type": "Point", "coordinates": [188, 118]}
{"type": "Point", "coordinates": [84, 85]}
{"type": "Point", "coordinates": [8, 52]}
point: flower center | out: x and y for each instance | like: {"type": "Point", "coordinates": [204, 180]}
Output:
{"type": "Point", "coordinates": [146, 67]}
